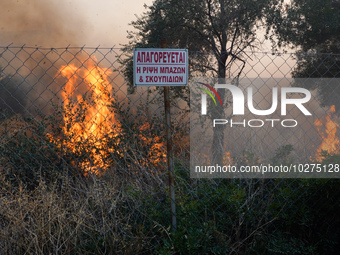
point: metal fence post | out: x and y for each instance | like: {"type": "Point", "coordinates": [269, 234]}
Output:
{"type": "Point", "coordinates": [169, 152]}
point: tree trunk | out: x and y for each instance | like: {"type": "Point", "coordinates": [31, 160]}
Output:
{"type": "Point", "coordinates": [218, 113]}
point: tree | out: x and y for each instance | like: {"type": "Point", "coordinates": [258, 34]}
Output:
{"type": "Point", "coordinates": [313, 27]}
{"type": "Point", "coordinates": [307, 24]}
{"type": "Point", "coordinates": [225, 28]}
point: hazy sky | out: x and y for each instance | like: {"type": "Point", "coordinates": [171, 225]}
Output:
{"type": "Point", "coordinates": [54, 23]}
{"type": "Point", "coordinates": [108, 19]}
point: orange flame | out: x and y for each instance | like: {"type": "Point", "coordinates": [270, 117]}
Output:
{"type": "Point", "coordinates": [330, 142]}
{"type": "Point", "coordinates": [227, 159]}
{"type": "Point", "coordinates": [89, 125]}
{"type": "Point", "coordinates": [87, 117]}
{"type": "Point", "coordinates": [156, 153]}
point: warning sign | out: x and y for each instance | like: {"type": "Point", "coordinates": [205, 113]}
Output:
{"type": "Point", "coordinates": [160, 67]}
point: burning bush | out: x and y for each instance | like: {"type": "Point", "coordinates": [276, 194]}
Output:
{"type": "Point", "coordinates": [327, 128]}
{"type": "Point", "coordinates": [84, 134]}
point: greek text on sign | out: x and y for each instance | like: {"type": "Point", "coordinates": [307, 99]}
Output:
{"type": "Point", "coordinates": [160, 67]}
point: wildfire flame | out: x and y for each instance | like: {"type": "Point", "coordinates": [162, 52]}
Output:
{"type": "Point", "coordinates": [87, 117]}
{"type": "Point", "coordinates": [227, 159]}
{"type": "Point", "coordinates": [156, 153]}
{"type": "Point", "coordinates": [90, 126]}
{"type": "Point", "coordinates": [330, 142]}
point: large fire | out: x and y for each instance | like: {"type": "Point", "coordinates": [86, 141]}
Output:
{"type": "Point", "coordinates": [327, 128]}
{"type": "Point", "coordinates": [88, 120]}
{"type": "Point", "coordinates": [90, 128]}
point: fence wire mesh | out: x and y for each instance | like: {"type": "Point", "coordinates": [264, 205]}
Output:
{"type": "Point", "coordinates": [83, 163]}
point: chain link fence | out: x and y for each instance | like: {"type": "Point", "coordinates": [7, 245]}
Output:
{"type": "Point", "coordinates": [83, 163]}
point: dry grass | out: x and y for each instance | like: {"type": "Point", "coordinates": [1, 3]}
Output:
{"type": "Point", "coordinates": [92, 216]}
{"type": "Point", "coordinates": [47, 206]}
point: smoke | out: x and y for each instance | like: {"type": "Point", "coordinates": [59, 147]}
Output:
{"type": "Point", "coordinates": [33, 23]}
{"type": "Point", "coordinates": [43, 23]}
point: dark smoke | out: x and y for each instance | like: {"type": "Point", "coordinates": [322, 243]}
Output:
{"type": "Point", "coordinates": [34, 23]}
{"type": "Point", "coordinates": [12, 96]}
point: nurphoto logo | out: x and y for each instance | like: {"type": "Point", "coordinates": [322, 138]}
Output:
{"type": "Point", "coordinates": [238, 106]}
{"type": "Point", "coordinates": [244, 128]}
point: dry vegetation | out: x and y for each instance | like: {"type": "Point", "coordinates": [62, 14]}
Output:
{"type": "Point", "coordinates": [83, 216]}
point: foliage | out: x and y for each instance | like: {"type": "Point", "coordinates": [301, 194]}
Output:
{"type": "Point", "coordinates": [27, 154]}
{"type": "Point", "coordinates": [312, 27]}
{"type": "Point", "coordinates": [320, 65]}
{"type": "Point", "coordinates": [225, 28]}
{"type": "Point", "coordinates": [141, 140]}
{"type": "Point", "coordinates": [282, 155]}
{"type": "Point", "coordinates": [307, 23]}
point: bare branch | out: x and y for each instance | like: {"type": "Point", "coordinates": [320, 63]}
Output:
{"type": "Point", "coordinates": [212, 22]}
